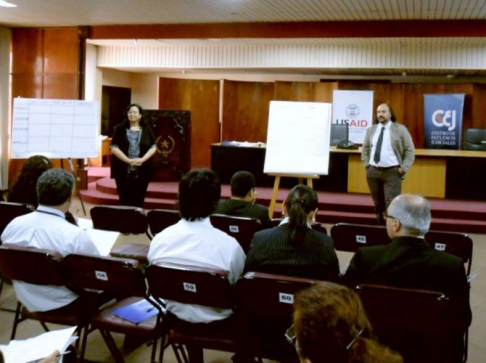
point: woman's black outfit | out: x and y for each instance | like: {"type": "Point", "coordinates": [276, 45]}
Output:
{"type": "Point", "coordinates": [132, 182]}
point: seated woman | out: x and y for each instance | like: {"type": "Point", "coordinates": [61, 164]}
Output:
{"type": "Point", "coordinates": [331, 326]}
{"type": "Point", "coordinates": [24, 189]}
{"type": "Point", "coordinates": [293, 248]}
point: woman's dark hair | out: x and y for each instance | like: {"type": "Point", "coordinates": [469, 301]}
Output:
{"type": "Point", "coordinates": [199, 193]}
{"type": "Point", "coordinates": [299, 203]}
{"type": "Point", "coordinates": [24, 189]}
{"type": "Point", "coordinates": [140, 109]}
{"type": "Point", "coordinates": [331, 326]}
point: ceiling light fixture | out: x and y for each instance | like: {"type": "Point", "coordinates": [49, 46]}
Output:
{"type": "Point", "coordinates": [7, 4]}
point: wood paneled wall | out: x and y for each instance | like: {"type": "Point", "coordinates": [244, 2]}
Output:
{"type": "Point", "coordinates": [202, 99]}
{"type": "Point", "coordinates": [245, 110]}
{"type": "Point", "coordinates": [305, 91]}
{"type": "Point", "coordinates": [45, 64]}
{"type": "Point", "coordinates": [246, 106]}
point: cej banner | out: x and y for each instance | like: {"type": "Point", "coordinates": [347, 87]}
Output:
{"type": "Point", "coordinates": [443, 120]}
{"type": "Point", "coordinates": [354, 108]}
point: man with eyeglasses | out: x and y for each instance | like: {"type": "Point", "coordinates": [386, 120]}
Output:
{"type": "Point", "coordinates": [408, 261]}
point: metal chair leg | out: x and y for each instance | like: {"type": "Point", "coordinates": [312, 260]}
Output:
{"type": "Point", "coordinates": [17, 320]}
{"type": "Point", "coordinates": [115, 352]}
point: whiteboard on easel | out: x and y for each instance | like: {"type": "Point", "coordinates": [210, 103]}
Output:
{"type": "Point", "coordinates": [57, 129]}
{"type": "Point", "coordinates": [298, 138]}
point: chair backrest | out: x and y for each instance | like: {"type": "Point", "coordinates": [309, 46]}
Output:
{"type": "Point", "coordinates": [475, 139]}
{"type": "Point", "coordinates": [160, 219]}
{"type": "Point", "coordinates": [413, 322]}
{"type": "Point", "coordinates": [268, 295]}
{"type": "Point", "coordinates": [121, 219]}
{"type": "Point", "coordinates": [458, 244]}
{"type": "Point", "coordinates": [349, 237]}
{"type": "Point", "coordinates": [10, 211]}
{"type": "Point", "coordinates": [120, 277]}
{"type": "Point", "coordinates": [339, 133]}
{"type": "Point", "coordinates": [190, 285]}
{"type": "Point", "coordinates": [241, 228]}
{"type": "Point", "coordinates": [32, 265]}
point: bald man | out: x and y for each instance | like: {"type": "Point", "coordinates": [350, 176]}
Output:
{"type": "Point", "coordinates": [387, 154]}
{"type": "Point", "coordinates": [408, 261]}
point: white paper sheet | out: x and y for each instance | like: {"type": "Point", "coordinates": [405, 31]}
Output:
{"type": "Point", "coordinates": [103, 240]}
{"type": "Point", "coordinates": [23, 351]}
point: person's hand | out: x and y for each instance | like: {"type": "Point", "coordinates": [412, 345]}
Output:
{"type": "Point", "coordinates": [401, 171]}
{"type": "Point", "coordinates": [136, 162]}
{"type": "Point", "coordinates": [52, 358]}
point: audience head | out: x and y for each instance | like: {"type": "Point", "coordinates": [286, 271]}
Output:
{"type": "Point", "coordinates": [331, 326]}
{"type": "Point", "coordinates": [384, 112]}
{"type": "Point", "coordinates": [24, 189]}
{"type": "Point", "coordinates": [408, 215]}
{"type": "Point", "coordinates": [242, 184]}
{"type": "Point", "coordinates": [300, 207]}
{"type": "Point", "coordinates": [55, 187]}
{"type": "Point", "coordinates": [199, 193]}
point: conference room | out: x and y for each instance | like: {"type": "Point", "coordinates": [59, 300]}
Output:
{"type": "Point", "coordinates": [225, 63]}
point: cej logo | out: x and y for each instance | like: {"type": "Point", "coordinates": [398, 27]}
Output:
{"type": "Point", "coordinates": [441, 118]}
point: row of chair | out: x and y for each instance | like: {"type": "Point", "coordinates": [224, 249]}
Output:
{"type": "Point", "coordinates": [124, 279]}
{"type": "Point", "coordinates": [422, 318]}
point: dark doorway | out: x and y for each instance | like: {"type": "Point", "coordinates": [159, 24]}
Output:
{"type": "Point", "coordinates": [115, 100]}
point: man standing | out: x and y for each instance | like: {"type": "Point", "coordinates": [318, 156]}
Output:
{"type": "Point", "coordinates": [388, 153]}
{"type": "Point", "coordinates": [243, 197]}
{"type": "Point", "coordinates": [408, 261]}
{"type": "Point", "coordinates": [194, 241]}
{"type": "Point", "coordinates": [47, 228]}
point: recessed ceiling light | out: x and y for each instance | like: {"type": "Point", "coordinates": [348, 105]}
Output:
{"type": "Point", "coordinates": [6, 4]}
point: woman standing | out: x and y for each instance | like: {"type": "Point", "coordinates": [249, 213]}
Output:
{"type": "Point", "coordinates": [132, 168]}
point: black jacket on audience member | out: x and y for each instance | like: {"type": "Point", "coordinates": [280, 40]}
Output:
{"type": "Point", "coordinates": [272, 252]}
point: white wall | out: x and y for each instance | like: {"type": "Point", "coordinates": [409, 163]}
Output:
{"type": "Point", "coordinates": [5, 42]}
{"type": "Point", "coordinates": [116, 78]}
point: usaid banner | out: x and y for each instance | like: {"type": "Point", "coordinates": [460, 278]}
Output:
{"type": "Point", "coordinates": [354, 108]}
{"type": "Point", "coordinates": [443, 120]}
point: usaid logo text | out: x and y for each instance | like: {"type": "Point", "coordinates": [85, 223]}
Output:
{"type": "Point", "coordinates": [441, 118]}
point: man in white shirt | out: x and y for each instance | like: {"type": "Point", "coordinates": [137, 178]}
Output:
{"type": "Point", "coordinates": [194, 241]}
{"type": "Point", "coordinates": [387, 155]}
{"type": "Point", "coordinates": [47, 228]}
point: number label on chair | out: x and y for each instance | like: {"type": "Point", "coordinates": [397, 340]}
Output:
{"type": "Point", "coordinates": [101, 275]}
{"type": "Point", "coordinates": [234, 229]}
{"type": "Point", "coordinates": [285, 298]}
{"type": "Point", "coordinates": [360, 239]}
{"type": "Point", "coordinates": [189, 287]}
{"type": "Point", "coordinates": [440, 247]}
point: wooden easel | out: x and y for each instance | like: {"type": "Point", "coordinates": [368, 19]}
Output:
{"type": "Point", "coordinates": [277, 184]}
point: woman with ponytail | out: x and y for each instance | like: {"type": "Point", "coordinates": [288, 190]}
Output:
{"type": "Point", "coordinates": [293, 248]}
{"type": "Point", "coordinates": [331, 326]}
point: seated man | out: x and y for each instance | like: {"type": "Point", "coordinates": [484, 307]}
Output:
{"type": "Point", "coordinates": [194, 241]}
{"type": "Point", "coordinates": [243, 197]}
{"type": "Point", "coordinates": [408, 261]}
{"type": "Point", "coordinates": [47, 228]}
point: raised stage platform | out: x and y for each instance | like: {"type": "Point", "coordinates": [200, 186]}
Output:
{"type": "Point", "coordinates": [447, 215]}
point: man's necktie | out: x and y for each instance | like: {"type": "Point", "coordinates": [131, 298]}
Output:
{"type": "Point", "coordinates": [376, 157]}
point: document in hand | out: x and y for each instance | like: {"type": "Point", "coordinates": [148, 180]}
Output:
{"type": "Point", "coordinates": [137, 312]}
{"type": "Point", "coordinates": [23, 351]}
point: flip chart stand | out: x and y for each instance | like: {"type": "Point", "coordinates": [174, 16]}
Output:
{"type": "Point", "coordinates": [77, 184]}
{"type": "Point", "coordinates": [276, 185]}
